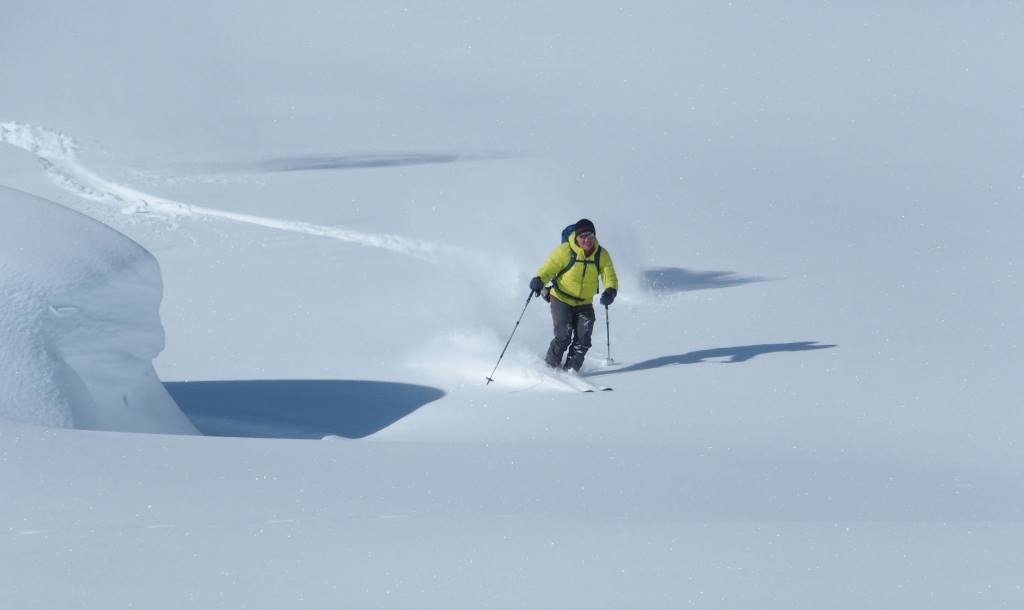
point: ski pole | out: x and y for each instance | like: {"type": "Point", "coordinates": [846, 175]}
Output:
{"type": "Point", "coordinates": [608, 336]}
{"type": "Point", "coordinates": [490, 377]}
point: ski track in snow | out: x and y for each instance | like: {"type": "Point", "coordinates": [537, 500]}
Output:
{"type": "Point", "coordinates": [57, 153]}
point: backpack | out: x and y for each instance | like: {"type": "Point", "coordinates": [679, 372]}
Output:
{"type": "Point", "coordinates": [567, 231]}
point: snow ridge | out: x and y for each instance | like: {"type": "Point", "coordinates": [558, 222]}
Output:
{"type": "Point", "coordinates": [58, 154]}
{"type": "Point", "coordinates": [80, 325]}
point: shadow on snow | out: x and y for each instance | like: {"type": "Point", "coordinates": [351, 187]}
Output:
{"type": "Point", "coordinates": [734, 354]}
{"type": "Point", "coordinates": [350, 161]}
{"type": "Point", "coordinates": [677, 279]}
{"type": "Point", "coordinates": [303, 409]}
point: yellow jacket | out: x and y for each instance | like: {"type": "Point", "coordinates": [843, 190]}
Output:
{"type": "Point", "coordinates": [578, 285]}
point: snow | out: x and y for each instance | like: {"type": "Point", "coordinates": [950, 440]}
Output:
{"type": "Point", "coordinates": [81, 323]}
{"type": "Point", "coordinates": [315, 223]}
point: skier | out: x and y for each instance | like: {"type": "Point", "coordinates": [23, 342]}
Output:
{"type": "Point", "coordinates": [573, 269]}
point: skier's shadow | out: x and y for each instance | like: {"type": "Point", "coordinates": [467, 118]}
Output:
{"type": "Point", "coordinates": [734, 354]}
{"type": "Point", "coordinates": [301, 409]}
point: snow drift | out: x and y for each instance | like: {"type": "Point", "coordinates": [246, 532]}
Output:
{"type": "Point", "coordinates": [79, 323]}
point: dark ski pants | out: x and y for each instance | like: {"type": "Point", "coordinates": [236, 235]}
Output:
{"type": "Point", "coordinates": [573, 328]}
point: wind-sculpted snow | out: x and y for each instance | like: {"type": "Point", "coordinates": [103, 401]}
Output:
{"type": "Point", "coordinates": [58, 154]}
{"type": "Point", "coordinates": [79, 323]}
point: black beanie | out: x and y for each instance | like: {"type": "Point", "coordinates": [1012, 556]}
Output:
{"type": "Point", "coordinates": [583, 225]}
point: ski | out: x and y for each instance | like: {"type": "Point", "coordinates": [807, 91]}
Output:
{"type": "Point", "coordinates": [574, 381]}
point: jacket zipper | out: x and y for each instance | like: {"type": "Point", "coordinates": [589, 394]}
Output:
{"type": "Point", "coordinates": [583, 277]}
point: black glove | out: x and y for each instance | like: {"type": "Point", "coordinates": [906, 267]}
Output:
{"type": "Point", "coordinates": [535, 286]}
{"type": "Point", "coordinates": [608, 296]}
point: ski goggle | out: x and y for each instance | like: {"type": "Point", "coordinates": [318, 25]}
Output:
{"type": "Point", "coordinates": [585, 235]}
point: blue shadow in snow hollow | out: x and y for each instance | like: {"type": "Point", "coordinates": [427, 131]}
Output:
{"type": "Point", "coordinates": [300, 409]}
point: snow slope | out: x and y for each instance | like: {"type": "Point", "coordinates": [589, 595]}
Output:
{"type": "Point", "coordinates": [814, 215]}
